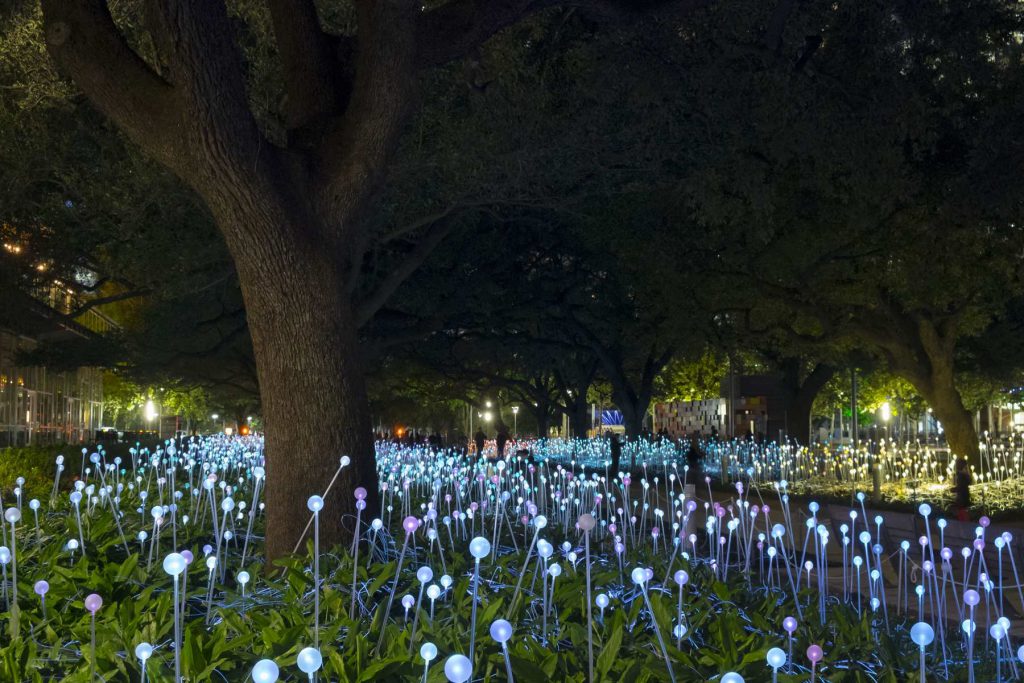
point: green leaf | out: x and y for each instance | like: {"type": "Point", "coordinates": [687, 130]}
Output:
{"type": "Point", "coordinates": [609, 653]}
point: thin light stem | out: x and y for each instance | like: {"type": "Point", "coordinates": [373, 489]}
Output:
{"type": "Point", "coordinates": [472, 623]}
{"type": "Point", "coordinates": [177, 634]}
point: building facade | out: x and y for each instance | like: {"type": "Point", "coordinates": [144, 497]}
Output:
{"type": "Point", "coordinates": [41, 405]}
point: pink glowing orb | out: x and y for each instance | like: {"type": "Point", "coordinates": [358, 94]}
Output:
{"type": "Point", "coordinates": [93, 602]}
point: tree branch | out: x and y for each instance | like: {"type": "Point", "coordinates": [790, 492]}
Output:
{"type": "Point", "coordinates": [83, 39]}
{"type": "Point", "coordinates": [218, 146]}
{"type": "Point", "coordinates": [456, 28]}
{"type": "Point", "coordinates": [112, 298]}
{"type": "Point", "coordinates": [401, 272]}
{"type": "Point", "coordinates": [429, 219]}
{"type": "Point", "coordinates": [459, 27]}
{"type": "Point", "coordinates": [357, 145]}
{"type": "Point", "coordinates": [313, 82]}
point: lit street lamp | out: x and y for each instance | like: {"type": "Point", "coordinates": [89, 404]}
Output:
{"type": "Point", "coordinates": [153, 414]}
{"type": "Point", "coordinates": [515, 421]}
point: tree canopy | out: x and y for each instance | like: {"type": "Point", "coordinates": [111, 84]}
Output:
{"type": "Point", "coordinates": [540, 199]}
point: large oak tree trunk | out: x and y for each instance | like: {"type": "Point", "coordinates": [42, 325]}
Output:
{"type": "Point", "coordinates": [942, 395]}
{"type": "Point", "coordinates": [579, 419]}
{"type": "Point", "coordinates": [542, 414]}
{"type": "Point", "coordinates": [312, 386]}
{"type": "Point", "coordinates": [633, 413]}
{"type": "Point", "coordinates": [931, 369]}
{"type": "Point", "coordinates": [801, 401]}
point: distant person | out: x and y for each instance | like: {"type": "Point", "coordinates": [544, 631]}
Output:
{"type": "Point", "coordinates": [479, 439]}
{"type": "Point", "coordinates": [693, 455]}
{"type": "Point", "coordinates": [616, 451]}
{"type": "Point", "coordinates": [501, 440]}
{"type": "Point", "coordinates": [962, 488]}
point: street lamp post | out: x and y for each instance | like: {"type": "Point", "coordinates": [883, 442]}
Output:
{"type": "Point", "coordinates": [515, 421]}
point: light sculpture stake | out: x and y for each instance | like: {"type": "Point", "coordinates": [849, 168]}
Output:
{"type": "Point", "coordinates": [175, 564]}
{"type": "Point", "coordinates": [814, 654]}
{"type": "Point", "coordinates": [501, 631]}
{"type": "Point", "coordinates": [243, 579]}
{"type": "Point", "coordinates": [423, 575]}
{"type": "Point", "coordinates": [34, 507]}
{"type": "Point", "coordinates": [428, 651]}
{"type": "Point", "coordinates": [971, 599]}
{"type": "Point", "coordinates": [315, 505]}
{"type": "Point", "coordinates": [143, 651]}
{"type": "Point", "coordinates": [343, 463]}
{"type": "Point", "coordinates": [309, 661]}
{"type": "Point", "coordinates": [41, 588]}
{"type": "Point", "coordinates": [257, 474]}
{"type": "Point", "coordinates": [539, 522]}
{"type": "Point", "coordinates": [360, 494]}
{"type": "Point", "coordinates": [410, 525]}
{"type": "Point", "coordinates": [789, 624]}
{"type": "Point", "coordinates": [776, 658]}
{"type": "Point", "coordinates": [479, 548]}
{"type": "Point", "coordinates": [922, 634]}
{"type": "Point", "coordinates": [640, 578]}
{"type": "Point", "coordinates": [76, 498]}
{"type": "Point", "coordinates": [93, 603]}
{"type": "Point", "coordinates": [12, 515]}
{"type": "Point", "coordinates": [587, 524]}
{"type": "Point", "coordinates": [997, 632]}
{"type": "Point", "coordinates": [211, 565]}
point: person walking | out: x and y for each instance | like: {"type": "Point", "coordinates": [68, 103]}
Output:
{"type": "Point", "coordinates": [616, 452]}
{"type": "Point", "coordinates": [501, 440]}
{"type": "Point", "coordinates": [693, 455]}
{"type": "Point", "coordinates": [479, 439]}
